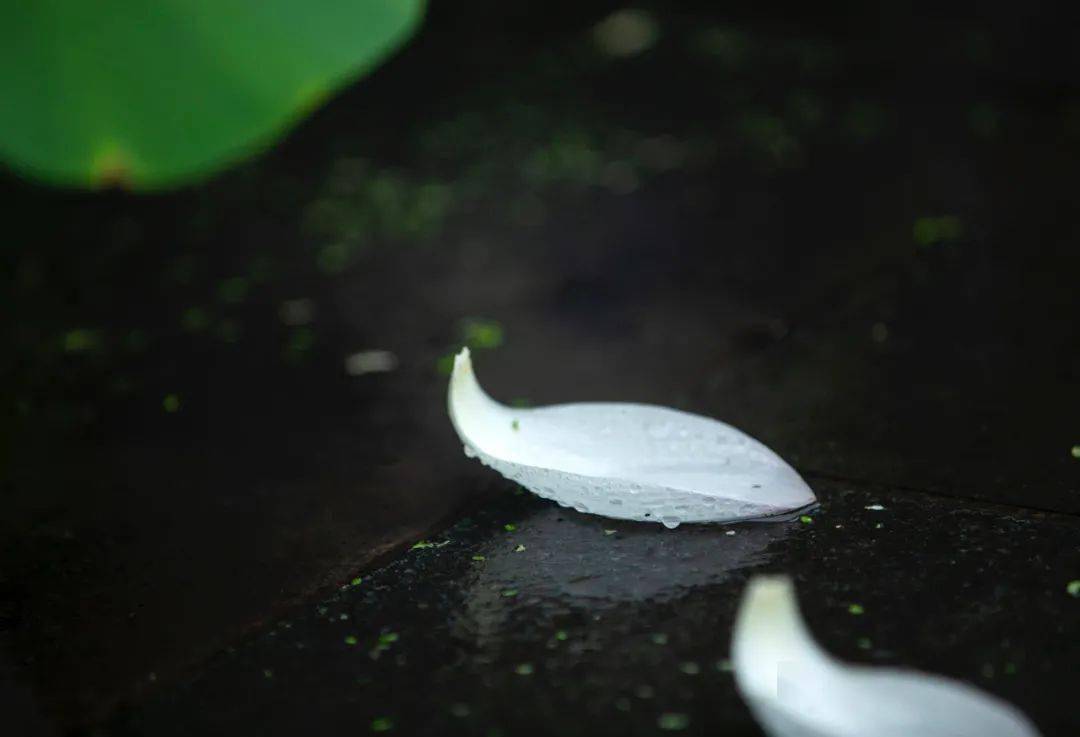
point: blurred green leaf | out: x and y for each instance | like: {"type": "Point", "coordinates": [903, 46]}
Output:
{"type": "Point", "coordinates": [155, 94]}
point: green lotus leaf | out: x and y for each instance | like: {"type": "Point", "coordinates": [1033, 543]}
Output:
{"type": "Point", "coordinates": [154, 93]}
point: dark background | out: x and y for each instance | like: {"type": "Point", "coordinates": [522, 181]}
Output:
{"type": "Point", "coordinates": [848, 229]}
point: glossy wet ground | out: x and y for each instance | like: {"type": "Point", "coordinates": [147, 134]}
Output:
{"type": "Point", "coordinates": [861, 253]}
{"type": "Point", "coordinates": [571, 624]}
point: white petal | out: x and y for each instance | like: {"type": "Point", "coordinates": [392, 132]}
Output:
{"type": "Point", "coordinates": [631, 461]}
{"type": "Point", "coordinates": [795, 689]}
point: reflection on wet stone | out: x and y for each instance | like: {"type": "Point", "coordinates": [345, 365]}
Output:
{"type": "Point", "coordinates": [572, 565]}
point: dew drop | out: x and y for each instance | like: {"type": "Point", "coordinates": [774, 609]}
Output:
{"type": "Point", "coordinates": [670, 521]}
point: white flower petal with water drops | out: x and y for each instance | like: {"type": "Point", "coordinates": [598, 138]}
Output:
{"type": "Point", "coordinates": [795, 689]}
{"type": "Point", "coordinates": [631, 461]}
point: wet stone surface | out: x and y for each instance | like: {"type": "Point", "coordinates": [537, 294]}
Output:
{"type": "Point", "coordinates": [527, 614]}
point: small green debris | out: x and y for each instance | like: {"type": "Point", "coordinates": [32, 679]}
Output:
{"type": "Point", "coordinates": [855, 609]}
{"type": "Point", "coordinates": [351, 640]}
{"type": "Point", "coordinates": [171, 403]}
{"type": "Point", "coordinates": [659, 638]}
{"type": "Point", "coordinates": [386, 639]}
{"type": "Point", "coordinates": [480, 333]}
{"type": "Point", "coordinates": [509, 593]}
{"type": "Point", "coordinates": [81, 340]}
{"type": "Point", "coordinates": [422, 545]}
{"type": "Point", "coordinates": [301, 340]}
{"type": "Point", "coordinates": [356, 581]}
{"type": "Point", "coordinates": [194, 320]}
{"type": "Point", "coordinates": [689, 668]}
{"type": "Point", "coordinates": [519, 549]}
{"type": "Point", "coordinates": [479, 558]}
{"type": "Point", "coordinates": [334, 257]}
{"type": "Point", "coordinates": [1009, 669]}
{"type": "Point", "coordinates": [562, 635]}
{"type": "Point", "coordinates": [929, 231]}
{"type": "Point", "coordinates": [864, 643]}
{"type": "Point", "coordinates": [1075, 451]}
{"type": "Point", "coordinates": [509, 527]}
{"type": "Point", "coordinates": [806, 519]}
{"type": "Point", "coordinates": [268, 673]}
{"type": "Point", "coordinates": [1073, 588]}
{"type": "Point", "coordinates": [524, 669]}
{"type": "Point", "coordinates": [515, 425]}
{"type": "Point", "coordinates": [382, 724]}
{"type": "Point", "coordinates": [673, 721]}
{"type": "Point", "coordinates": [233, 290]}
{"type": "Point", "coordinates": [445, 364]}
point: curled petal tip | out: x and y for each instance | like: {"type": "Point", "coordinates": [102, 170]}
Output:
{"type": "Point", "coordinates": [770, 588]}
{"type": "Point", "coordinates": [462, 367]}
